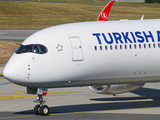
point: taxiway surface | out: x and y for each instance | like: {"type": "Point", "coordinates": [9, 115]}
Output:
{"type": "Point", "coordinates": [79, 102]}
{"type": "Point", "coordinates": [15, 35]}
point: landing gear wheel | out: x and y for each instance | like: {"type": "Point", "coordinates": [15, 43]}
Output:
{"type": "Point", "coordinates": [37, 110]}
{"type": "Point", "coordinates": [44, 110]}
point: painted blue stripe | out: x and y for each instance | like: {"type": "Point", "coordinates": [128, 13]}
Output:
{"type": "Point", "coordinates": [5, 83]}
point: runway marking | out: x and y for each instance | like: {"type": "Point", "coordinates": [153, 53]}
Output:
{"type": "Point", "coordinates": [1, 76]}
{"type": "Point", "coordinates": [51, 92]}
{"type": "Point", "coordinates": [5, 83]}
{"type": "Point", "coordinates": [16, 97]}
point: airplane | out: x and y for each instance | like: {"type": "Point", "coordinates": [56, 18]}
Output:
{"type": "Point", "coordinates": [110, 57]}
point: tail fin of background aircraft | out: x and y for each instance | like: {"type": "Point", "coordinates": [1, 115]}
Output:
{"type": "Point", "coordinates": [103, 16]}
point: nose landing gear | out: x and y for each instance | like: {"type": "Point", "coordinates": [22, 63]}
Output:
{"type": "Point", "coordinates": [41, 109]}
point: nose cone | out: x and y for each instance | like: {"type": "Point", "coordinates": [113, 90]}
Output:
{"type": "Point", "coordinates": [10, 72]}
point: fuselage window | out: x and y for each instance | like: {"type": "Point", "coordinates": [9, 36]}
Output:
{"type": "Point", "coordinates": [144, 45]}
{"type": "Point", "coordinates": [140, 46]}
{"type": "Point", "coordinates": [149, 45]}
{"type": "Point", "coordinates": [106, 47]}
{"type": "Point", "coordinates": [154, 45]}
{"type": "Point", "coordinates": [111, 47]}
{"type": "Point", "coordinates": [35, 48]}
{"type": "Point", "coordinates": [125, 46]}
{"type": "Point", "coordinates": [159, 45]}
{"type": "Point", "coordinates": [135, 46]}
{"type": "Point", "coordinates": [100, 47]}
{"type": "Point", "coordinates": [130, 46]}
{"type": "Point", "coordinates": [95, 47]}
{"type": "Point", "coordinates": [116, 47]}
{"type": "Point", "coordinates": [121, 47]}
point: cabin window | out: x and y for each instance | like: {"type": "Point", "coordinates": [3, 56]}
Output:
{"type": "Point", "coordinates": [125, 46]}
{"type": "Point", "coordinates": [140, 46]}
{"type": "Point", "coordinates": [154, 45]}
{"type": "Point", "coordinates": [106, 47]}
{"type": "Point", "coordinates": [149, 45]}
{"type": "Point", "coordinates": [135, 46]}
{"type": "Point", "coordinates": [111, 47]}
{"type": "Point", "coordinates": [116, 47]}
{"type": "Point", "coordinates": [159, 45]}
{"type": "Point", "coordinates": [121, 47]}
{"type": "Point", "coordinates": [130, 46]}
{"type": "Point", "coordinates": [95, 47]}
{"type": "Point", "coordinates": [144, 45]}
{"type": "Point", "coordinates": [100, 47]}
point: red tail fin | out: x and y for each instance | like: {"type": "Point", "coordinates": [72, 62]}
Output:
{"type": "Point", "coordinates": [103, 16]}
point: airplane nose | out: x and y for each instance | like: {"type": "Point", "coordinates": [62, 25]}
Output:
{"type": "Point", "coordinates": [10, 72]}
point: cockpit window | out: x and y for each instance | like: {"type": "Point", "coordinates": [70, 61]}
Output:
{"type": "Point", "coordinates": [43, 49]}
{"type": "Point", "coordinates": [26, 49]}
{"type": "Point", "coordinates": [35, 48]}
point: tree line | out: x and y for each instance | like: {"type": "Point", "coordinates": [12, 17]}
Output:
{"type": "Point", "coordinates": [152, 1]}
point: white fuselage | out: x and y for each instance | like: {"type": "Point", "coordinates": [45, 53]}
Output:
{"type": "Point", "coordinates": [90, 53]}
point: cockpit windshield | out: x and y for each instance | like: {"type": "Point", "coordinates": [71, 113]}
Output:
{"type": "Point", "coordinates": [34, 48]}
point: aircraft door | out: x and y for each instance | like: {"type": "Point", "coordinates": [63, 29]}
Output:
{"type": "Point", "coordinates": [76, 47]}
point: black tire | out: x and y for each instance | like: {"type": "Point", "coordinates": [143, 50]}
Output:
{"type": "Point", "coordinates": [44, 110]}
{"type": "Point", "coordinates": [37, 110]}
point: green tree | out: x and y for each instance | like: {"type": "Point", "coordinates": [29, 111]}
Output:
{"type": "Point", "coordinates": [152, 1]}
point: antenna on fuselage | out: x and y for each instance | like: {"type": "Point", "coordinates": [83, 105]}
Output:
{"type": "Point", "coordinates": [142, 17]}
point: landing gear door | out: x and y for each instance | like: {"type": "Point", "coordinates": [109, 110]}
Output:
{"type": "Point", "coordinates": [76, 47]}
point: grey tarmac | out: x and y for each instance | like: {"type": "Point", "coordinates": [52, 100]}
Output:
{"type": "Point", "coordinates": [15, 35]}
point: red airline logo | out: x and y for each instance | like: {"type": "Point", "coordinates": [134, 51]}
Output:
{"type": "Point", "coordinates": [105, 12]}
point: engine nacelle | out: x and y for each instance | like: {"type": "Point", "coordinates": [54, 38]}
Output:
{"type": "Point", "coordinates": [115, 89]}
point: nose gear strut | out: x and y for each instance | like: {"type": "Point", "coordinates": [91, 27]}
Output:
{"type": "Point", "coordinates": [40, 100]}
{"type": "Point", "coordinates": [41, 109]}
